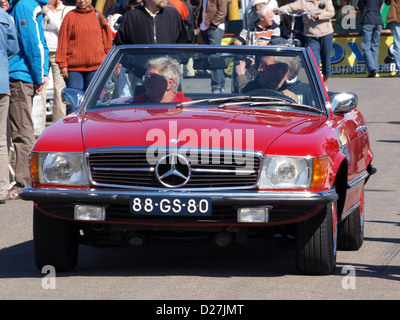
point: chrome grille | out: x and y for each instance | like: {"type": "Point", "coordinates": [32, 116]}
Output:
{"type": "Point", "coordinates": [209, 169]}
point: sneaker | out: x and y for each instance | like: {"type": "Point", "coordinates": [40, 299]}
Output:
{"type": "Point", "coordinates": [3, 201]}
{"type": "Point", "coordinates": [216, 91]}
{"type": "Point", "coordinates": [396, 75]}
{"type": "Point", "coordinates": [12, 194]}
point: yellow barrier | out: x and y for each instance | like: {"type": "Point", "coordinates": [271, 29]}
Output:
{"type": "Point", "coordinates": [348, 61]}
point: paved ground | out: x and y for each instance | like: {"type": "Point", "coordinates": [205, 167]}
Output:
{"type": "Point", "coordinates": [258, 271]}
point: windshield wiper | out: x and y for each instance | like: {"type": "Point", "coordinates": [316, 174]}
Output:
{"type": "Point", "coordinates": [231, 99]}
{"type": "Point", "coordinates": [293, 105]}
{"type": "Point", "coordinates": [239, 101]}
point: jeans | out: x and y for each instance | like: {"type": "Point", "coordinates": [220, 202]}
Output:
{"type": "Point", "coordinates": [78, 80]}
{"type": "Point", "coordinates": [395, 27]}
{"type": "Point", "coordinates": [370, 37]}
{"type": "Point", "coordinates": [322, 49]}
{"type": "Point", "coordinates": [214, 37]}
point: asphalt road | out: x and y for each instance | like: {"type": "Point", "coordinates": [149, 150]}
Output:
{"type": "Point", "coordinates": [256, 271]}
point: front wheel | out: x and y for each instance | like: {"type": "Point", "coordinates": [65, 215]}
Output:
{"type": "Point", "coordinates": [55, 242]}
{"type": "Point", "coordinates": [351, 230]}
{"type": "Point", "coordinates": [316, 243]}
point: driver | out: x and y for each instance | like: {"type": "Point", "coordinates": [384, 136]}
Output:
{"type": "Point", "coordinates": [271, 75]}
{"type": "Point", "coordinates": [161, 82]}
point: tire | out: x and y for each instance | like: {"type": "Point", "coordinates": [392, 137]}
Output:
{"type": "Point", "coordinates": [351, 230]}
{"type": "Point", "coordinates": [55, 242]}
{"type": "Point", "coordinates": [316, 243]}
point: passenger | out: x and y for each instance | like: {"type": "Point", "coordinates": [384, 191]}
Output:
{"type": "Point", "coordinates": [161, 82]}
{"type": "Point", "coordinates": [293, 84]}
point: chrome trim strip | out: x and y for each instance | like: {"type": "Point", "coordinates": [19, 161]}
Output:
{"type": "Point", "coordinates": [225, 171]}
{"type": "Point", "coordinates": [357, 180]}
{"type": "Point", "coordinates": [344, 215]}
{"type": "Point", "coordinates": [151, 169]}
{"type": "Point", "coordinates": [198, 151]}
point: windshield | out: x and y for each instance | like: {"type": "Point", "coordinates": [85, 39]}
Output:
{"type": "Point", "coordinates": [202, 75]}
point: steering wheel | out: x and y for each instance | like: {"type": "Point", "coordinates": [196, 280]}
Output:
{"type": "Point", "coordinates": [269, 93]}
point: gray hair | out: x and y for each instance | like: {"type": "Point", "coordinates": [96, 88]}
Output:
{"type": "Point", "coordinates": [264, 10]}
{"type": "Point", "coordinates": [168, 67]}
{"type": "Point", "coordinates": [293, 63]}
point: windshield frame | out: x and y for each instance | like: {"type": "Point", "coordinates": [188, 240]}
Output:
{"type": "Point", "coordinates": [90, 97]}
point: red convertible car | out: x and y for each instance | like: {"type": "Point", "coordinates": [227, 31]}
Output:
{"type": "Point", "coordinates": [218, 143]}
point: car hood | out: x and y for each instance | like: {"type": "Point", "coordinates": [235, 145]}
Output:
{"type": "Point", "coordinates": [251, 129]}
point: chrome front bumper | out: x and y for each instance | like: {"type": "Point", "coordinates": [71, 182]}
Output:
{"type": "Point", "coordinates": [115, 196]}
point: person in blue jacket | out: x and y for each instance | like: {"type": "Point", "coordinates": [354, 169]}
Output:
{"type": "Point", "coordinates": [28, 72]}
{"type": "Point", "coordinates": [8, 48]}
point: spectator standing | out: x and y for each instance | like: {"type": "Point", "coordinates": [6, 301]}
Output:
{"type": "Point", "coordinates": [393, 22]}
{"type": "Point", "coordinates": [211, 20]}
{"type": "Point", "coordinates": [54, 13]}
{"type": "Point", "coordinates": [152, 22]}
{"type": "Point", "coordinates": [183, 9]}
{"type": "Point", "coordinates": [8, 48]}
{"type": "Point", "coordinates": [318, 29]}
{"type": "Point", "coordinates": [371, 20]}
{"type": "Point", "coordinates": [84, 41]}
{"type": "Point", "coordinates": [4, 4]}
{"type": "Point", "coordinates": [119, 7]}
{"type": "Point", "coordinates": [28, 71]}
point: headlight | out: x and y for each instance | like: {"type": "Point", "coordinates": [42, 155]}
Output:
{"type": "Point", "coordinates": [279, 172]}
{"type": "Point", "coordinates": [59, 168]}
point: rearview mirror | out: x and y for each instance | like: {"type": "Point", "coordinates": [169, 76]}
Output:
{"type": "Point", "coordinates": [210, 63]}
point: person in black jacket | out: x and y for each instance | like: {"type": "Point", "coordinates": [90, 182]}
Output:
{"type": "Point", "coordinates": [371, 20]}
{"type": "Point", "coordinates": [152, 22]}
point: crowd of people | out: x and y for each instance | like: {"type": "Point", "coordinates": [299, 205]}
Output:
{"type": "Point", "coordinates": [41, 35]}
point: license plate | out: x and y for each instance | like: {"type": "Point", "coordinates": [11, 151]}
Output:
{"type": "Point", "coordinates": [170, 206]}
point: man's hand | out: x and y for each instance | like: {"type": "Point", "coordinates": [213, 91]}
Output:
{"type": "Point", "coordinates": [47, 8]}
{"type": "Point", "coordinates": [314, 16]}
{"type": "Point", "coordinates": [64, 72]}
{"type": "Point", "coordinates": [40, 87]}
{"type": "Point", "coordinates": [241, 67]}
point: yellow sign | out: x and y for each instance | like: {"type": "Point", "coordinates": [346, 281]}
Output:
{"type": "Point", "coordinates": [347, 58]}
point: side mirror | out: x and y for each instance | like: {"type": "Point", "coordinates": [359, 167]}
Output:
{"type": "Point", "coordinates": [72, 96]}
{"type": "Point", "coordinates": [344, 102]}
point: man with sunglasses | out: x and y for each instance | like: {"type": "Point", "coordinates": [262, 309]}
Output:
{"type": "Point", "coordinates": [161, 82]}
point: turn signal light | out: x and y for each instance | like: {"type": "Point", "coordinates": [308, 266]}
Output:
{"type": "Point", "coordinates": [320, 172]}
{"type": "Point", "coordinates": [34, 168]}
